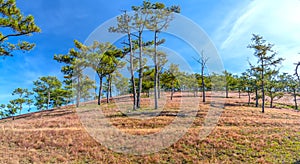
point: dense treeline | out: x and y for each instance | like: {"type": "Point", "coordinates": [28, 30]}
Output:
{"type": "Point", "coordinates": [263, 79]}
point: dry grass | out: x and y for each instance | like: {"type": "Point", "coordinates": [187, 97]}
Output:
{"type": "Point", "coordinates": [242, 135]}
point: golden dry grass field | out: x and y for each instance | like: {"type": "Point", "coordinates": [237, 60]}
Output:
{"type": "Point", "coordinates": [243, 135]}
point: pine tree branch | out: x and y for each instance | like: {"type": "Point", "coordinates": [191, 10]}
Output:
{"type": "Point", "coordinates": [12, 35]}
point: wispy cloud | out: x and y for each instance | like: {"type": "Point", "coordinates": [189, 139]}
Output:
{"type": "Point", "coordinates": [277, 21]}
{"type": "Point", "coordinates": [241, 25]}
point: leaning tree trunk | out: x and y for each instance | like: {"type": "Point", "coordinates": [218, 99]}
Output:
{"type": "Point", "coordinates": [296, 71]}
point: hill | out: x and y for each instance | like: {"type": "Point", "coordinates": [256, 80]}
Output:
{"type": "Point", "coordinates": [243, 135]}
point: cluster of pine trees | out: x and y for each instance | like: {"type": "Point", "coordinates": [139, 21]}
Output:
{"type": "Point", "coordinates": [261, 79]}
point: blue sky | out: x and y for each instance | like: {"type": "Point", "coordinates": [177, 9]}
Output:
{"type": "Point", "coordinates": [228, 23]}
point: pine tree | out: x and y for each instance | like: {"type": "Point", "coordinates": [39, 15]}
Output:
{"type": "Point", "coordinates": [75, 63]}
{"type": "Point", "coordinates": [2, 111]}
{"type": "Point", "coordinates": [139, 22]}
{"type": "Point", "coordinates": [273, 86]}
{"type": "Point", "coordinates": [161, 61]}
{"type": "Point", "coordinates": [293, 88]}
{"type": "Point", "coordinates": [11, 109]}
{"type": "Point", "coordinates": [248, 83]}
{"type": "Point", "coordinates": [265, 61]}
{"type": "Point", "coordinates": [105, 59]}
{"type": "Point", "coordinates": [160, 17]}
{"type": "Point", "coordinates": [24, 97]}
{"type": "Point", "coordinates": [230, 82]}
{"type": "Point", "coordinates": [170, 79]}
{"type": "Point", "coordinates": [14, 24]}
{"type": "Point", "coordinates": [125, 27]}
{"type": "Point", "coordinates": [49, 93]}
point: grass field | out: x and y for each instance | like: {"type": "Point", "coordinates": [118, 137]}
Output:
{"type": "Point", "coordinates": [242, 135]}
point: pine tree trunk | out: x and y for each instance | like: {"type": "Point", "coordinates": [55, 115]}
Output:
{"type": "Point", "coordinates": [140, 71]}
{"type": "Point", "coordinates": [203, 84]}
{"type": "Point", "coordinates": [78, 92]}
{"type": "Point", "coordinates": [100, 91]}
{"type": "Point", "coordinates": [172, 90]}
{"type": "Point", "coordinates": [256, 96]}
{"type": "Point", "coordinates": [226, 91]}
{"type": "Point", "coordinates": [107, 93]}
{"type": "Point", "coordinates": [155, 72]}
{"type": "Point", "coordinates": [158, 84]}
{"type": "Point", "coordinates": [132, 74]}
{"type": "Point", "coordinates": [95, 93]}
{"type": "Point", "coordinates": [110, 87]}
{"type": "Point", "coordinates": [20, 109]}
{"type": "Point", "coordinates": [249, 98]}
{"type": "Point", "coordinates": [295, 99]}
{"type": "Point", "coordinates": [262, 88]}
{"type": "Point", "coordinates": [48, 102]}
{"type": "Point", "coordinates": [172, 93]}
{"type": "Point", "coordinates": [271, 103]}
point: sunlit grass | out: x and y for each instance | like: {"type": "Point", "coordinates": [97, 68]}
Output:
{"type": "Point", "coordinates": [242, 135]}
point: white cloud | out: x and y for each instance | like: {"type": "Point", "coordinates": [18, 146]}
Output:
{"type": "Point", "coordinates": [277, 21]}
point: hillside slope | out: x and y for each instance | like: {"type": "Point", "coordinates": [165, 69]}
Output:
{"type": "Point", "coordinates": [243, 134]}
